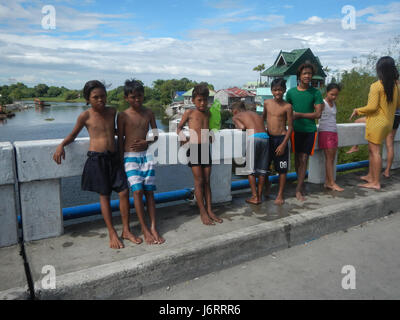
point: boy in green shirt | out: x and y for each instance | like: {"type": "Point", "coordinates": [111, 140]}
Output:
{"type": "Point", "coordinates": [307, 105]}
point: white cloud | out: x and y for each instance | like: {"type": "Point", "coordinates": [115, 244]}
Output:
{"type": "Point", "coordinates": [313, 20]}
{"type": "Point", "coordinates": [219, 57]}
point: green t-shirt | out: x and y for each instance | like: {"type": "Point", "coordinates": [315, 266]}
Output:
{"type": "Point", "coordinates": [304, 102]}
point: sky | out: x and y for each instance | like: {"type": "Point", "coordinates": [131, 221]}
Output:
{"type": "Point", "coordinates": [217, 41]}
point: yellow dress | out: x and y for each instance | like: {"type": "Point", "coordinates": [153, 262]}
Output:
{"type": "Point", "coordinates": [379, 113]}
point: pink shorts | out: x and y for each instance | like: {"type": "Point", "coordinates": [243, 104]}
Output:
{"type": "Point", "coordinates": [327, 140]}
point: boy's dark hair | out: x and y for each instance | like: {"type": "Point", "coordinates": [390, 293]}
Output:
{"type": "Point", "coordinates": [305, 65]}
{"type": "Point", "coordinates": [332, 86]}
{"type": "Point", "coordinates": [133, 85]}
{"type": "Point", "coordinates": [200, 90]}
{"type": "Point", "coordinates": [239, 105]}
{"type": "Point", "coordinates": [279, 82]}
{"type": "Point", "coordinates": [90, 85]}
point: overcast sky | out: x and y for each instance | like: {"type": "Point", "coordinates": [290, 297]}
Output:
{"type": "Point", "coordinates": [204, 40]}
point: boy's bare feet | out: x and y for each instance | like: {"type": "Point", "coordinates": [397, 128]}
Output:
{"type": "Point", "coordinates": [366, 178]}
{"type": "Point", "coordinates": [369, 185]}
{"type": "Point", "coordinates": [353, 149]}
{"type": "Point", "coordinates": [214, 217]}
{"type": "Point", "coordinates": [115, 243]}
{"type": "Point", "coordinates": [333, 187]}
{"type": "Point", "coordinates": [131, 237]}
{"type": "Point", "coordinates": [157, 237]}
{"type": "Point", "coordinates": [205, 218]}
{"type": "Point", "coordinates": [386, 174]}
{"type": "Point", "coordinates": [279, 201]}
{"type": "Point", "coordinates": [253, 200]}
{"type": "Point", "coordinates": [299, 196]}
{"type": "Point", "coordinates": [148, 237]}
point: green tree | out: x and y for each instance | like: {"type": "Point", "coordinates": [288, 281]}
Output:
{"type": "Point", "coordinates": [41, 90]}
{"type": "Point", "coordinates": [260, 68]}
{"type": "Point", "coordinates": [54, 91]}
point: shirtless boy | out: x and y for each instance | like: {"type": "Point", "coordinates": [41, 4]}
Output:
{"type": "Point", "coordinates": [103, 171]}
{"type": "Point", "coordinates": [277, 112]}
{"type": "Point", "coordinates": [133, 126]}
{"type": "Point", "coordinates": [249, 120]}
{"type": "Point", "coordinates": [307, 105]}
{"type": "Point", "coordinates": [199, 151]}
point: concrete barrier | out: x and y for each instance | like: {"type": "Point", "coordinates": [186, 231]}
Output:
{"type": "Point", "coordinates": [40, 184]}
{"type": "Point", "coordinates": [8, 215]}
{"type": "Point", "coordinates": [349, 134]}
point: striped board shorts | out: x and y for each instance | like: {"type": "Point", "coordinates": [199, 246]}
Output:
{"type": "Point", "coordinates": [139, 168]}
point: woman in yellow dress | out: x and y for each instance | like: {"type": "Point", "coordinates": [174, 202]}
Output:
{"type": "Point", "coordinates": [383, 100]}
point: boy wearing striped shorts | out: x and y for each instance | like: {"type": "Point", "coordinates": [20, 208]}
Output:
{"type": "Point", "coordinates": [133, 126]}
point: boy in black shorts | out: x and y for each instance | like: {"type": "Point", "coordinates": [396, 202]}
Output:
{"type": "Point", "coordinates": [307, 105]}
{"type": "Point", "coordinates": [199, 151]}
{"type": "Point", "coordinates": [277, 113]}
{"type": "Point", "coordinates": [103, 171]}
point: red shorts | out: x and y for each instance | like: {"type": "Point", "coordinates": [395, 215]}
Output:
{"type": "Point", "coordinates": [327, 140]}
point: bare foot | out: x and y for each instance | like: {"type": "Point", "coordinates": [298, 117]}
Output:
{"type": "Point", "coordinates": [279, 201]}
{"type": "Point", "coordinates": [375, 186]}
{"type": "Point", "coordinates": [156, 236]}
{"type": "Point", "coordinates": [366, 178]}
{"type": "Point", "coordinates": [334, 187]}
{"type": "Point", "coordinates": [214, 217]}
{"type": "Point", "coordinates": [131, 237]}
{"type": "Point", "coordinates": [353, 149]}
{"type": "Point", "coordinates": [253, 200]}
{"type": "Point", "coordinates": [206, 219]}
{"type": "Point", "coordinates": [386, 174]}
{"type": "Point", "coordinates": [299, 196]}
{"type": "Point", "coordinates": [115, 243]}
{"type": "Point", "coordinates": [148, 237]}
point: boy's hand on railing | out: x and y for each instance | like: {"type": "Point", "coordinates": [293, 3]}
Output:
{"type": "Point", "coordinates": [60, 153]}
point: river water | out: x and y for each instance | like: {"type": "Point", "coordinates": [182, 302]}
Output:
{"type": "Point", "coordinates": [56, 122]}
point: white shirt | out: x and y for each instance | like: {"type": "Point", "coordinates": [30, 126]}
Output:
{"type": "Point", "coordinates": [328, 118]}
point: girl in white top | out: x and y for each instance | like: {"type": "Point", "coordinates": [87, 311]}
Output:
{"type": "Point", "coordinates": [327, 135]}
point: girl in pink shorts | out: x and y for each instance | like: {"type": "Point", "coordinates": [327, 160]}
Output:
{"type": "Point", "coordinates": [327, 135]}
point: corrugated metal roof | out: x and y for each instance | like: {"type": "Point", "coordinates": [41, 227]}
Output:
{"type": "Point", "coordinates": [238, 93]}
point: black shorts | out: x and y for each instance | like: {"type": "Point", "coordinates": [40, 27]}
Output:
{"type": "Point", "coordinates": [396, 122]}
{"type": "Point", "coordinates": [197, 155]}
{"type": "Point", "coordinates": [281, 163]}
{"type": "Point", "coordinates": [103, 173]}
{"type": "Point", "coordinates": [260, 157]}
{"type": "Point", "coordinates": [304, 142]}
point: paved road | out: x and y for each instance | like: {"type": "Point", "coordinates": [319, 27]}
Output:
{"type": "Point", "coordinates": [309, 271]}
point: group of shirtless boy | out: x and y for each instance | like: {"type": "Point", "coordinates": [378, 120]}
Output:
{"type": "Point", "coordinates": [127, 164]}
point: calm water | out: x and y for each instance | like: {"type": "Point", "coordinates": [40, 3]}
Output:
{"type": "Point", "coordinates": [31, 124]}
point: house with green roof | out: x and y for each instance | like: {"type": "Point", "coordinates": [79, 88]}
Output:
{"type": "Point", "coordinates": [285, 66]}
{"type": "Point", "coordinates": [287, 63]}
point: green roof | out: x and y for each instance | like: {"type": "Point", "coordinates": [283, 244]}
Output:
{"type": "Point", "coordinates": [292, 60]}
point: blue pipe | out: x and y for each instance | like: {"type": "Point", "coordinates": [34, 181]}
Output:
{"type": "Point", "coordinates": [92, 209]}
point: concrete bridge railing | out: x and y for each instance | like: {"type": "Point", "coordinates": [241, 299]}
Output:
{"type": "Point", "coordinates": [39, 177]}
{"type": "Point", "coordinates": [8, 200]}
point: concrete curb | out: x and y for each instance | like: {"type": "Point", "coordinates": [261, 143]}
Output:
{"type": "Point", "coordinates": [134, 276]}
